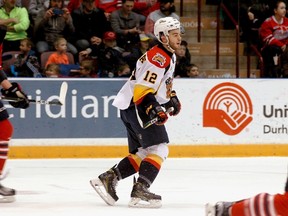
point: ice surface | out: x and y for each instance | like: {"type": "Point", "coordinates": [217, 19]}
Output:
{"type": "Point", "coordinates": [61, 186]}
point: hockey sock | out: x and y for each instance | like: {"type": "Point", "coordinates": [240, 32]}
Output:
{"type": "Point", "coordinates": [5, 134]}
{"type": "Point", "coordinates": [149, 169]}
{"type": "Point", "coordinates": [3, 154]}
{"type": "Point", "coordinates": [253, 204]}
{"type": "Point", "coordinates": [128, 166]}
{"type": "Point", "coordinates": [237, 209]}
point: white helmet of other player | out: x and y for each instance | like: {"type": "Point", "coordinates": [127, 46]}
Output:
{"type": "Point", "coordinates": [164, 25]}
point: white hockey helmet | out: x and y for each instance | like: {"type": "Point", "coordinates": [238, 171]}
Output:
{"type": "Point", "coordinates": [164, 25]}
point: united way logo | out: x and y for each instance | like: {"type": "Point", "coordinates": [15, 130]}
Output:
{"type": "Point", "coordinates": [227, 107]}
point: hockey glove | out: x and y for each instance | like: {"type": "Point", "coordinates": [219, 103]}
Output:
{"type": "Point", "coordinates": [15, 92]}
{"type": "Point", "coordinates": [155, 111]}
{"type": "Point", "coordinates": [175, 103]}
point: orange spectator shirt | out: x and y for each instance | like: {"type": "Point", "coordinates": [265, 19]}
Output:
{"type": "Point", "coordinates": [56, 58]}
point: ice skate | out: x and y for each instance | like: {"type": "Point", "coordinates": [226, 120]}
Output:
{"type": "Point", "coordinates": [219, 209]}
{"type": "Point", "coordinates": [141, 197]}
{"type": "Point", "coordinates": [105, 186]}
{"type": "Point", "coordinates": [7, 195]}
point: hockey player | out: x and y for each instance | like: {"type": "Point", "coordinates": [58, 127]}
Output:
{"type": "Point", "coordinates": [260, 205]}
{"type": "Point", "coordinates": [6, 128]}
{"type": "Point", "coordinates": [145, 96]}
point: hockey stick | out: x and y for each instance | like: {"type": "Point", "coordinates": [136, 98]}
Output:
{"type": "Point", "coordinates": [60, 102]}
{"type": "Point", "coordinates": [154, 120]}
{"type": "Point", "coordinates": [63, 92]}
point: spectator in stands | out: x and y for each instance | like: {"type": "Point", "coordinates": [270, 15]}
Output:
{"type": "Point", "coordinates": [274, 35]}
{"type": "Point", "coordinates": [27, 63]}
{"type": "Point", "coordinates": [35, 6]}
{"type": "Point", "coordinates": [138, 51]}
{"type": "Point", "coordinates": [109, 58]}
{"type": "Point", "coordinates": [59, 56]}
{"type": "Point", "coordinates": [182, 60]}
{"type": "Point", "coordinates": [167, 8]}
{"type": "Point", "coordinates": [75, 4]}
{"type": "Point", "coordinates": [86, 70]}
{"type": "Point", "coordinates": [240, 11]}
{"type": "Point", "coordinates": [192, 71]}
{"type": "Point", "coordinates": [108, 6]}
{"type": "Point", "coordinates": [90, 52]}
{"type": "Point", "coordinates": [145, 7]}
{"type": "Point", "coordinates": [52, 23]}
{"type": "Point", "coordinates": [257, 13]}
{"type": "Point", "coordinates": [90, 25]}
{"type": "Point", "coordinates": [187, 52]}
{"type": "Point", "coordinates": [52, 70]}
{"type": "Point", "coordinates": [126, 24]}
{"type": "Point", "coordinates": [17, 21]}
{"type": "Point", "coordinates": [123, 71]}
{"type": "Point", "coordinates": [18, 3]}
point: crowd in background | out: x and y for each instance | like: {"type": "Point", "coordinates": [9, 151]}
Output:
{"type": "Point", "coordinates": [264, 25]}
{"type": "Point", "coordinates": [105, 38]}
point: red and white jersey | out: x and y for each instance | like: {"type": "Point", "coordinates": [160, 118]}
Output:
{"type": "Point", "coordinates": [262, 204]}
{"type": "Point", "coordinates": [153, 74]}
{"type": "Point", "coordinates": [273, 32]}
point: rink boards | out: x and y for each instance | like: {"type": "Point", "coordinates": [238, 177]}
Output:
{"type": "Point", "coordinates": [219, 117]}
{"type": "Point", "coordinates": [175, 151]}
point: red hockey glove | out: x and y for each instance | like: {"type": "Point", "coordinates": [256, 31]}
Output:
{"type": "Point", "coordinates": [15, 92]}
{"type": "Point", "coordinates": [175, 103]}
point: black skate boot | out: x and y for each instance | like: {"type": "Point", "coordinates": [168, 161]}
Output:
{"type": "Point", "coordinates": [219, 209]}
{"type": "Point", "coordinates": [139, 193]}
{"type": "Point", "coordinates": [7, 194]}
{"type": "Point", "coordinates": [108, 181]}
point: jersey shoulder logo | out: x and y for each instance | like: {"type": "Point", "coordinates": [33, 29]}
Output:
{"type": "Point", "coordinates": [160, 59]}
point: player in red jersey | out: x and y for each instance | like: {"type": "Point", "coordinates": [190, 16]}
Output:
{"type": "Point", "coordinates": [145, 96]}
{"type": "Point", "coordinates": [262, 204]}
{"type": "Point", "coordinates": [6, 128]}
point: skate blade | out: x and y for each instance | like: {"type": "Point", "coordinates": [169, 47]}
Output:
{"type": "Point", "coordinates": [210, 209]}
{"type": "Point", "coordinates": [97, 185]}
{"type": "Point", "coordinates": [138, 203]}
{"type": "Point", "coordinates": [7, 199]}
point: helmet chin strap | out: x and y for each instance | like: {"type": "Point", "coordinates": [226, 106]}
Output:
{"type": "Point", "coordinates": [167, 44]}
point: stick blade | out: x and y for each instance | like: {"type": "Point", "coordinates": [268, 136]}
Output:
{"type": "Point", "coordinates": [63, 92]}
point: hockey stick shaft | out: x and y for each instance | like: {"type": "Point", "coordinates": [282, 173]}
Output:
{"type": "Point", "coordinates": [10, 99]}
{"type": "Point", "coordinates": [61, 101]}
{"type": "Point", "coordinates": [154, 120]}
